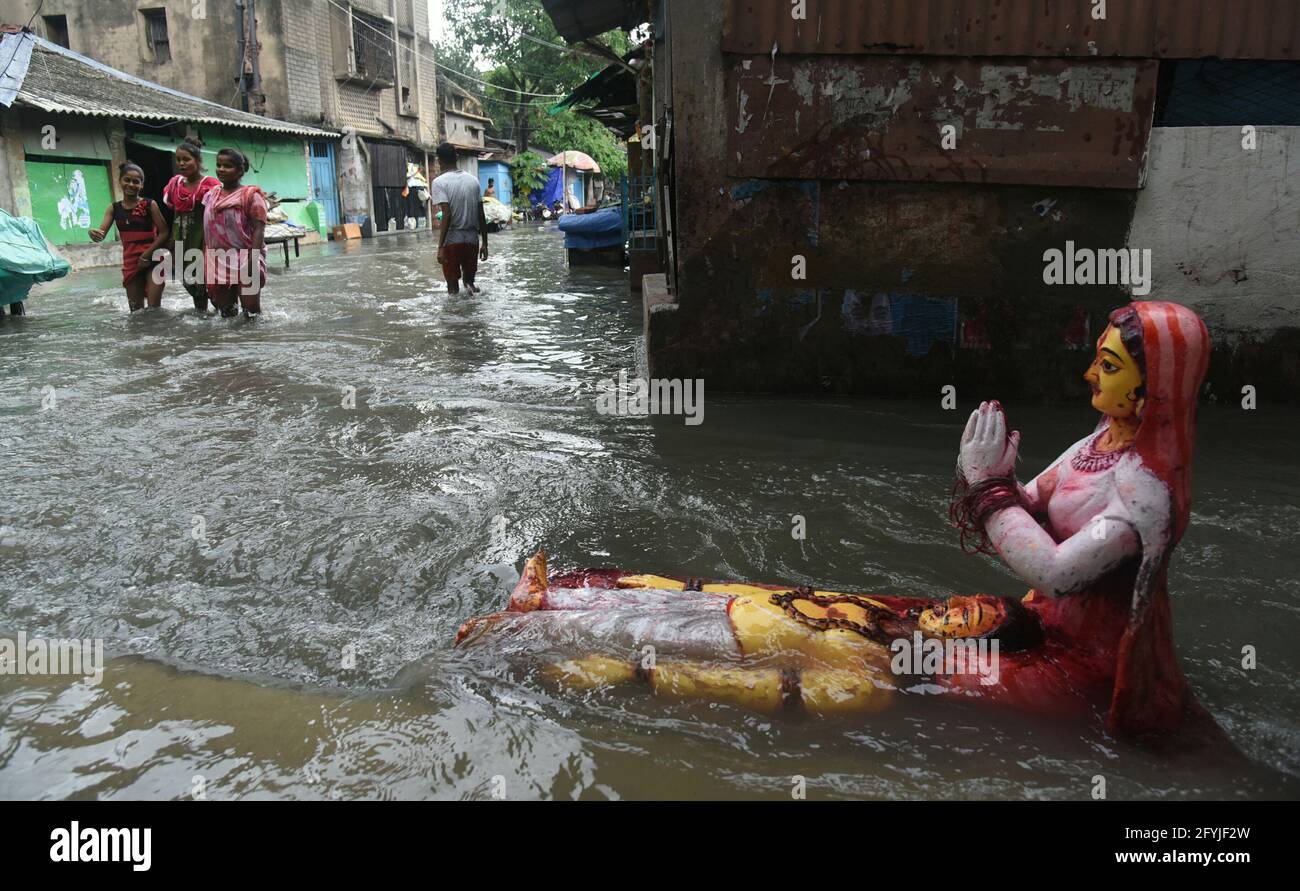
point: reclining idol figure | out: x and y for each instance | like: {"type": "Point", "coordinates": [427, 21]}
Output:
{"type": "Point", "coordinates": [1091, 536]}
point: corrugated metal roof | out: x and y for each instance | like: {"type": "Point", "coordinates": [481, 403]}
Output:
{"type": "Point", "coordinates": [579, 19]}
{"type": "Point", "coordinates": [59, 80]}
{"type": "Point", "coordinates": [1172, 29]}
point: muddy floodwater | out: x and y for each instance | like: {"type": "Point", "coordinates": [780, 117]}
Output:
{"type": "Point", "coordinates": [277, 528]}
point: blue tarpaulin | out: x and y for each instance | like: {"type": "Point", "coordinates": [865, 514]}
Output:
{"type": "Point", "coordinates": [15, 56]}
{"type": "Point", "coordinates": [550, 193]}
{"type": "Point", "coordinates": [601, 229]}
{"type": "Point", "coordinates": [24, 258]}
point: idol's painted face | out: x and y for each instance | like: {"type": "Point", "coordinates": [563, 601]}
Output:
{"type": "Point", "coordinates": [963, 617]}
{"type": "Point", "coordinates": [1115, 377]}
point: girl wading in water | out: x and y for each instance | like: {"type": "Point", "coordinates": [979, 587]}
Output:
{"type": "Point", "coordinates": [234, 229]}
{"type": "Point", "coordinates": [143, 231]}
{"type": "Point", "coordinates": [1092, 536]}
{"type": "Point", "coordinates": [184, 194]}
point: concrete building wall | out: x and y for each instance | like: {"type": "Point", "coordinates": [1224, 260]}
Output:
{"type": "Point", "coordinates": [303, 47]}
{"type": "Point", "coordinates": [375, 110]}
{"type": "Point", "coordinates": [906, 287]}
{"type": "Point", "coordinates": [1223, 225]}
{"type": "Point", "coordinates": [308, 82]}
{"type": "Point", "coordinates": [203, 37]}
{"type": "Point", "coordinates": [462, 130]}
{"type": "Point", "coordinates": [14, 194]}
{"type": "Point", "coordinates": [949, 254]}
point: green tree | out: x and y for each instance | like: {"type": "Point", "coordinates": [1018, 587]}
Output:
{"type": "Point", "coordinates": [528, 173]}
{"type": "Point", "coordinates": [512, 45]}
{"type": "Point", "coordinates": [569, 130]}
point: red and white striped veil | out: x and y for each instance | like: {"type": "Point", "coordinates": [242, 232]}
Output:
{"type": "Point", "coordinates": [1151, 696]}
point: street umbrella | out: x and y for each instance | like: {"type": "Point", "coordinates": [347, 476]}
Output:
{"type": "Point", "coordinates": [576, 160]}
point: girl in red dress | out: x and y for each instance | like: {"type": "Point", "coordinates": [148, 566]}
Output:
{"type": "Point", "coordinates": [143, 231]}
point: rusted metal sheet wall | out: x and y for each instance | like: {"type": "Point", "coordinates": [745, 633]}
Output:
{"type": "Point", "coordinates": [1032, 121]}
{"type": "Point", "coordinates": [1171, 29]}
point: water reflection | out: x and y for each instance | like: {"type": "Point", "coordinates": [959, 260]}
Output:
{"type": "Point", "coordinates": [373, 530]}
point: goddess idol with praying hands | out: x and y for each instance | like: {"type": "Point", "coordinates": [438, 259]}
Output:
{"type": "Point", "coordinates": [1091, 537]}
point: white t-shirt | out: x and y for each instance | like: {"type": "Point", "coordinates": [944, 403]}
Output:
{"type": "Point", "coordinates": [459, 190]}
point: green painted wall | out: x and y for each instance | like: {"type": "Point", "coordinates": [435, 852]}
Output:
{"type": "Point", "coordinates": [68, 206]}
{"type": "Point", "coordinates": [66, 136]}
{"type": "Point", "coordinates": [278, 163]}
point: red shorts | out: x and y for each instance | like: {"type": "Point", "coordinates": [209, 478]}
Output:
{"type": "Point", "coordinates": [460, 261]}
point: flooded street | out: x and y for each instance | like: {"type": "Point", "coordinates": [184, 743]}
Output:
{"type": "Point", "coordinates": [278, 527]}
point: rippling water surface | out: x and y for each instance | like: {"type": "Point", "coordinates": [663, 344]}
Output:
{"type": "Point", "coordinates": [362, 537]}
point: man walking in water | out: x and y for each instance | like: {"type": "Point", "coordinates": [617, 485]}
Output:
{"type": "Point", "coordinates": [455, 194]}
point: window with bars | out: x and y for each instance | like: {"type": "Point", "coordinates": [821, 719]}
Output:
{"type": "Point", "coordinates": [408, 77]}
{"type": "Point", "coordinates": [155, 30]}
{"type": "Point", "coordinates": [372, 47]}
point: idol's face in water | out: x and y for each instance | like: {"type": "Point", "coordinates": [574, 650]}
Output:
{"type": "Point", "coordinates": [1115, 377]}
{"type": "Point", "coordinates": [963, 617]}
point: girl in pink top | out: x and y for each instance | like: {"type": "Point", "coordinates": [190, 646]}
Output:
{"type": "Point", "coordinates": [184, 194]}
{"type": "Point", "coordinates": [234, 229]}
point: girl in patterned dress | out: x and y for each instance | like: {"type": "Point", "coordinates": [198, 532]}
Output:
{"type": "Point", "coordinates": [234, 229]}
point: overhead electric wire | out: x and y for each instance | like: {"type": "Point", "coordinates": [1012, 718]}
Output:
{"type": "Point", "coordinates": [438, 64]}
{"type": "Point", "coordinates": [27, 27]}
{"type": "Point", "coordinates": [478, 95]}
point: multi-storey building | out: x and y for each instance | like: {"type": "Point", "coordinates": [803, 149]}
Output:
{"type": "Point", "coordinates": [363, 67]}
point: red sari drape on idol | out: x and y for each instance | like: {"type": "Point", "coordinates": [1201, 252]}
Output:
{"type": "Point", "coordinates": [1110, 644]}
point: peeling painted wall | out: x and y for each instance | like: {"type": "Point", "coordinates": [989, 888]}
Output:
{"type": "Point", "coordinates": [931, 250]}
{"type": "Point", "coordinates": [914, 284]}
{"type": "Point", "coordinates": [1044, 121]}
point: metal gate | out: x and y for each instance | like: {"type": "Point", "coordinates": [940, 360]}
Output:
{"type": "Point", "coordinates": [324, 181]}
{"type": "Point", "coordinates": [639, 212]}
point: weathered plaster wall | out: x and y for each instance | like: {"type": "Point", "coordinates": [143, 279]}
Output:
{"type": "Point", "coordinates": [14, 195]}
{"type": "Point", "coordinates": [298, 58]}
{"type": "Point", "coordinates": [1223, 225]}
{"type": "Point", "coordinates": [204, 51]}
{"type": "Point", "coordinates": [745, 323]}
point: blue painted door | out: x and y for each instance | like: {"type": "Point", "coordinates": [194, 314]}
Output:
{"type": "Point", "coordinates": [324, 181]}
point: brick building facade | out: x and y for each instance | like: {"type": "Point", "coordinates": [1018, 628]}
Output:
{"type": "Point", "coordinates": [365, 66]}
